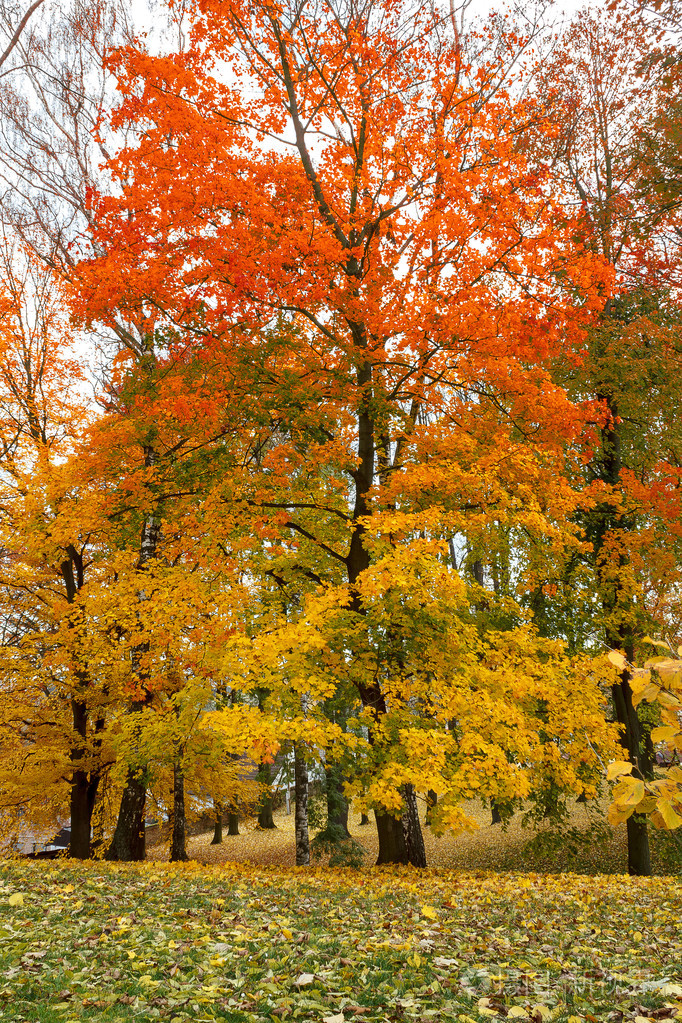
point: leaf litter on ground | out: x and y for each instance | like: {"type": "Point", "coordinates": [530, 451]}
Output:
{"type": "Point", "coordinates": [248, 944]}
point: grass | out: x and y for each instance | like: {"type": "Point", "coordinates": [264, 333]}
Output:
{"type": "Point", "coordinates": [250, 944]}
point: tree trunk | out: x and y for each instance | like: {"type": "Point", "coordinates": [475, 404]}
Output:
{"type": "Point", "coordinates": [233, 823]}
{"type": "Point", "coordinates": [178, 849]}
{"type": "Point", "coordinates": [301, 817]}
{"type": "Point", "coordinates": [128, 843]}
{"type": "Point", "coordinates": [431, 803]}
{"type": "Point", "coordinates": [265, 820]}
{"type": "Point", "coordinates": [618, 610]}
{"type": "Point", "coordinates": [364, 819]}
{"type": "Point", "coordinates": [392, 848]}
{"type": "Point", "coordinates": [496, 815]}
{"type": "Point", "coordinates": [337, 804]}
{"type": "Point", "coordinates": [218, 825]}
{"type": "Point", "coordinates": [414, 839]}
{"type": "Point", "coordinates": [83, 794]}
{"type": "Point", "coordinates": [84, 786]}
{"type": "Point", "coordinates": [639, 855]}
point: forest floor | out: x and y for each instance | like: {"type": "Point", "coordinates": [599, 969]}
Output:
{"type": "Point", "coordinates": [584, 844]}
{"type": "Point", "coordinates": [118, 943]}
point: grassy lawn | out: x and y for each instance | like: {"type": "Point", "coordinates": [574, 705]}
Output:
{"type": "Point", "coordinates": [251, 943]}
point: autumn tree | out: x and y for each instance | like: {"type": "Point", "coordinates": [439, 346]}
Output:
{"type": "Point", "coordinates": [601, 103]}
{"type": "Point", "coordinates": [52, 120]}
{"type": "Point", "coordinates": [53, 715]}
{"type": "Point", "coordinates": [380, 245]}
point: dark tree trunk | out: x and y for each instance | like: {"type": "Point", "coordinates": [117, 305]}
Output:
{"type": "Point", "coordinates": [178, 849]}
{"type": "Point", "coordinates": [639, 855]}
{"type": "Point", "coordinates": [218, 825]}
{"type": "Point", "coordinates": [391, 832]}
{"type": "Point", "coordinates": [265, 820]}
{"type": "Point", "coordinates": [84, 786]}
{"type": "Point", "coordinates": [233, 823]}
{"type": "Point", "coordinates": [414, 840]}
{"type": "Point", "coordinates": [337, 804]}
{"type": "Point", "coordinates": [128, 843]}
{"type": "Point", "coordinates": [85, 779]}
{"type": "Point", "coordinates": [392, 848]}
{"type": "Point", "coordinates": [496, 815]}
{"type": "Point", "coordinates": [400, 840]}
{"type": "Point", "coordinates": [83, 794]}
{"type": "Point", "coordinates": [301, 818]}
{"type": "Point", "coordinates": [431, 803]}
{"type": "Point", "coordinates": [617, 605]}
{"type": "Point", "coordinates": [364, 819]}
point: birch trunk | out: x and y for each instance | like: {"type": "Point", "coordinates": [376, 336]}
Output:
{"type": "Point", "coordinates": [301, 818]}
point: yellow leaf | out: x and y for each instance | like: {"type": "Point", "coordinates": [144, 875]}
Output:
{"type": "Point", "coordinates": [615, 815]}
{"type": "Point", "coordinates": [16, 900]}
{"type": "Point", "coordinates": [629, 792]}
{"type": "Point", "coordinates": [664, 733]}
{"type": "Point", "coordinates": [429, 912]}
{"type": "Point", "coordinates": [287, 934]}
{"type": "Point", "coordinates": [617, 768]}
{"type": "Point", "coordinates": [670, 817]}
{"type": "Point", "coordinates": [655, 642]}
{"type": "Point", "coordinates": [516, 1012]}
{"type": "Point", "coordinates": [617, 659]}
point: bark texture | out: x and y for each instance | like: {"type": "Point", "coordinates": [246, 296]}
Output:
{"type": "Point", "coordinates": [265, 820]}
{"type": "Point", "coordinates": [414, 839]}
{"type": "Point", "coordinates": [617, 607]}
{"type": "Point", "coordinates": [301, 817]}
{"type": "Point", "coordinates": [178, 849]}
{"type": "Point", "coordinates": [128, 841]}
{"type": "Point", "coordinates": [218, 825]}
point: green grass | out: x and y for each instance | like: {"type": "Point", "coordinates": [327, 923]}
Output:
{"type": "Point", "coordinates": [153, 942]}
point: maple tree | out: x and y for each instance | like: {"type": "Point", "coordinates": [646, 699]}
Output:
{"type": "Point", "coordinates": [601, 101]}
{"type": "Point", "coordinates": [54, 143]}
{"type": "Point", "coordinates": [345, 281]}
{"type": "Point", "coordinates": [373, 237]}
{"type": "Point", "coordinates": [53, 711]}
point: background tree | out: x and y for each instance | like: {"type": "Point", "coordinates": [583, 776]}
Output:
{"type": "Point", "coordinates": [601, 102]}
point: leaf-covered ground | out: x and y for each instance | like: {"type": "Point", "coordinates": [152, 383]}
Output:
{"type": "Point", "coordinates": [244, 943]}
{"type": "Point", "coordinates": [585, 843]}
